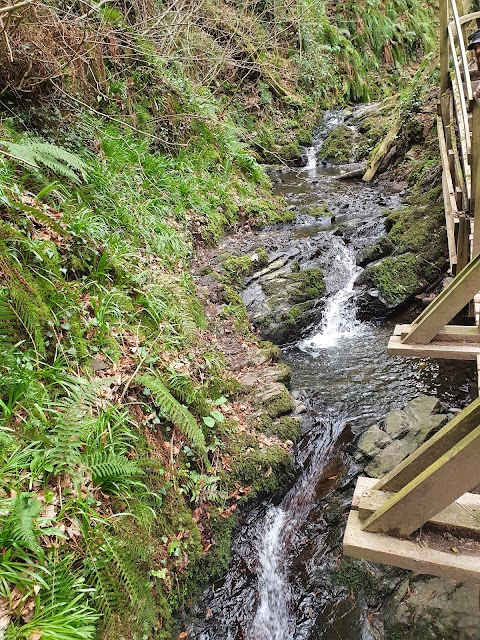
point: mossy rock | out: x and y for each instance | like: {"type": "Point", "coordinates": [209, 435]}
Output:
{"type": "Point", "coordinates": [276, 401]}
{"type": "Point", "coordinates": [320, 211]}
{"type": "Point", "coordinates": [397, 279]}
{"type": "Point", "coordinates": [286, 428]}
{"type": "Point", "coordinates": [271, 350]}
{"type": "Point", "coordinates": [339, 146]}
{"type": "Point", "coordinates": [380, 249]}
{"type": "Point", "coordinates": [265, 470]}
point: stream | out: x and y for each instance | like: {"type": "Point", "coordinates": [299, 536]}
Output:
{"type": "Point", "coordinates": [283, 580]}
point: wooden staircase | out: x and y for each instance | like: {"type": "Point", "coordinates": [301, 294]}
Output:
{"type": "Point", "coordinates": [424, 511]}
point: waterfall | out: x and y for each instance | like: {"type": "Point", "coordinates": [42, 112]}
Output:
{"type": "Point", "coordinates": [339, 317]}
{"type": "Point", "coordinates": [273, 619]}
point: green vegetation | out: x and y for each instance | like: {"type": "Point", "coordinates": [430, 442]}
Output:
{"type": "Point", "coordinates": [130, 135]}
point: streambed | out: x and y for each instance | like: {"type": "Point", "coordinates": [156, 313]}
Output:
{"type": "Point", "coordinates": [284, 581]}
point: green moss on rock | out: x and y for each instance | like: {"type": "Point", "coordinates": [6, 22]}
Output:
{"type": "Point", "coordinates": [339, 146]}
{"type": "Point", "coordinates": [286, 428]}
{"type": "Point", "coordinates": [265, 470]}
{"type": "Point", "coordinates": [396, 279]}
{"type": "Point", "coordinates": [277, 403]}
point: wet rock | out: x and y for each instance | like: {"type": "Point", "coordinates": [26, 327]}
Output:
{"type": "Point", "coordinates": [373, 441]}
{"type": "Point", "coordinates": [425, 430]}
{"type": "Point", "coordinates": [264, 377]}
{"type": "Point", "coordinates": [283, 298]}
{"type": "Point", "coordinates": [389, 457]}
{"type": "Point", "coordinates": [404, 431]}
{"type": "Point", "coordinates": [434, 609]}
{"type": "Point", "coordinates": [275, 400]}
{"type": "Point", "coordinates": [397, 424]}
{"type": "Point", "coordinates": [420, 408]}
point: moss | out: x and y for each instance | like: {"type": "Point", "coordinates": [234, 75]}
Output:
{"type": "Point", "coordinates": [278, 405]}
{"type": "Point", "coordinates": [308, 285]}
{"type": "Point", "coordinates": [320, 211]}
{"type": "Point", "coordinates": [357, 577]}
{"type": "Point", "coordinates": [379, 249]}
{"type": "Point", "coordinates": [339, 146]}
{"type": "Point", "coordinates": [261, 258]}
{"type": "Point", "coordinates": [286, 428]}
{"type": "Point", "coordinates": [236, 267]}
{"type": "Point", "coordinates": [271, 350]}
{"type": "Point", "coordinates": [396, 279]}
{"type": "Point", "coordinates": [265, 470]}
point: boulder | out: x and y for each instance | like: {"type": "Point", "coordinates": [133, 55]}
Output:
{"type": "Point", "coordinates": [433, 609]}
{"type": "Point", "coordinates": [389, 457]}
{"type": "Point", "coordinates": [372, 442]}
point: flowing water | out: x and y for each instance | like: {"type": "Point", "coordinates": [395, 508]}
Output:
{"type": "Point", "coordinates": [283, 581]}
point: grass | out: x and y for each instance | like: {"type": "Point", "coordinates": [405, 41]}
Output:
{"type": "Point", "coordinates": [117, 424]}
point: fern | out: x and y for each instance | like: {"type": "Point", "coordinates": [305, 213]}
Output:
{"type": "Point", "coordinates": [73, 419]}
{"type": "Point", "coordinates": [112, 472]}
{"type": "Point", "coordinates": [19, 527]}
{"type": "Point", "coordinates": [184, 390]}
{"type": "Point", "coordinates": [37, 153]}
{"type": "Point", "coordinates": [120, 591]}
{"type": "Point", "coordinates": [179, 415]}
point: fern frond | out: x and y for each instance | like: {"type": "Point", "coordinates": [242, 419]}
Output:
{"type": "Point", "coordinates": [73, 418]}
{"type": "Point", "coordinates": [19, 526]}
{"type": "Point", "coordinates": [35, 152]}
{"type": "Point", "coordinates": [179, 415]}
{"type": "Point", "coordinates": [113, 472]}
{"type": "Point", "coordinates": [184, 390]}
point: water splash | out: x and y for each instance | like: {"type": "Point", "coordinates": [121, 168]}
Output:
{"type": "Point", "coordinates": [339, 319]}
{"type": "Point", "coordinates": [331, 119]}
{"type": "Point", "coordinates": [273, 619]}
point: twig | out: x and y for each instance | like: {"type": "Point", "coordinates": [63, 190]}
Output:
{"type": "Point", "coordinates": [13, 7]}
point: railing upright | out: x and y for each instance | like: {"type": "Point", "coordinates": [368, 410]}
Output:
{"type": "Point", "coordinates": [475, 199]}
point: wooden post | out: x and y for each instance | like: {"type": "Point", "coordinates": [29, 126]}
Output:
{"type": "Point", "coordinates": [444, 55]}
{"type": "Point", "coordinates": [449, 477]}
{"type": "Point", "coordinates": [475, 202]}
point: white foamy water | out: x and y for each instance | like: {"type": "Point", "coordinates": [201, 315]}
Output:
{"type": "Point", "coordinates": [272, 620]}
{"type": "Point", "coordinates": [339, 319]}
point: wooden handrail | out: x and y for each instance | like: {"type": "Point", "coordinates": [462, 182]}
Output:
{"type": "Point", "coordinates": [463, 53]}
{"type": "Point", "coordinates": [458, 76]}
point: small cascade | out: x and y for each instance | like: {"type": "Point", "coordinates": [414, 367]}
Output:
{"type": "Point", "coordinates": [273, 619]}
{"type": "Point", "coordinates": [331, 119]}
{"type": "Point", "coordinates": [339, 319]}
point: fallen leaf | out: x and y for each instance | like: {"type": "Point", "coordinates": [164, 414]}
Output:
{"type": "Point", "coordinates": [184, 634]}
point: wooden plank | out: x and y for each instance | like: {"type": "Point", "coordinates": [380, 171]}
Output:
{"type": "Point", "coordinates": [435, 447]}
{"type": "Point", "coordinates": [461, 517]}
{"type": "Point", "coordinates": [463, 140]}
{"type": "Point", "coordinates": [445, 157]}
{"type": "Point", "coordinates": [478, 374]}
{"type": "Point", "coordinates": [450, 226]}
{"type": "Point", "coordinates": [458, 76]}
{"type": "Point", "coordinates": [463, 248]}
{"type": "Point", "coordinates": [406, 554]}
{"type": "Point", "coordinates": [463, 53]}
{"type": "Point", "coordinates": [449, 477]}
{"type": "Point", "coordinates": [441, 350]}
{"type": "Point", "coordinates": [446, 305]}
{"type": "Point", "coordinates": [449, 333]}
{"type": "Point", "coordinates": [444, 54]}
{"type": "Point", "coordinates": [475, 200]}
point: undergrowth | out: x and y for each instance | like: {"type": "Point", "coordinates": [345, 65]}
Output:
{"type": "Point", "coordinates": [130, 134]}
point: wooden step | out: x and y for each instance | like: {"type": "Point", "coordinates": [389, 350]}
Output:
{"type": "Point", "coordinates": [432, 552]}
{"type": "Point", "coordinates": [446, 305]}
{"type": "Point", "coordinates": [416, 555]}
{"type": "Point", "coordinates": [441, 349]}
